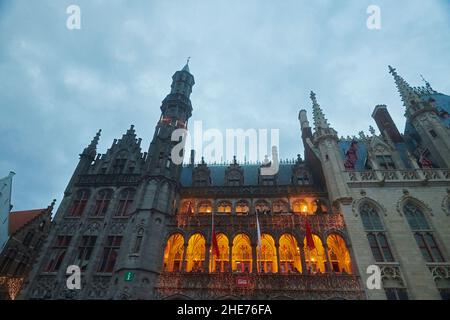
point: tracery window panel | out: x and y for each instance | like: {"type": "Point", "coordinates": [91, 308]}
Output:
{"type": "Point", "coordinates": [370, 218]}
{"type": "Point", "coordinates": [379, 246]}
{"type": "Point", "coordinates": [102, 202]}
{"type": "Point", "coordinates": [79, 203]}
{"type": "Point", "coordinates": [224, 207]}
{"type": "Point", "coordinates": [126, 199]}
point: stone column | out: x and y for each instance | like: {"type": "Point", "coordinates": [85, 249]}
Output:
{"type": "Point", "coordinates": [230, 258]}
{"type": "Point", "coordinates": [328, 267]}
{"type": "Point", "coordinates": [183, 261]}
{"type": "Point", "coordinates": [277, 246]}
{"type": "Point", "coordinates": [254, 259]}
{"type": "Point", "coordinates": [207, 257]}
{"type": "Point", "coordinates": [303, 260]}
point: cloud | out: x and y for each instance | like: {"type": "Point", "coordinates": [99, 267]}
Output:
{"type": "Point", "coordinates": [254, 64]}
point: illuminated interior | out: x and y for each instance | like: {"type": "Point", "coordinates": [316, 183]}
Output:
{"type": "Point", "coordinates": [339, 254]}
{"type": "Point", "coordinates": [195, 254]}
{"type": "Point", "coordinates": [289, 255]}
{"type": "Point", "coordinates": [224, 207]}
{"type": "Point", "coordinates": [315, 258]}
{"type": "Point", "coordinates": [173, 254]}
{"type": "Point", "coordinates": [242, 254]}
{"type": "Point", "coordinates": [187, 207]}
{"type": "Point", "coordinates": [300, 207]}
{"type": "Point", "coordinates": [280, 206]}
{"type": "Point", "coordinates": [221, 263]}
{"type": "Point", "coordinates": [204, 207]}
{"type": "Point", "coordinates": [267, 255]}
{"type": "Point", "coordinates": [242, 208]}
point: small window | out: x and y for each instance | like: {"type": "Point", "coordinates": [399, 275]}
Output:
{"type": "Point", "coordinates": [396, 294]}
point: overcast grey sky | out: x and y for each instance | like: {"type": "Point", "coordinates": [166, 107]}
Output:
{"type": "Point", "coordinates": [254, 64]}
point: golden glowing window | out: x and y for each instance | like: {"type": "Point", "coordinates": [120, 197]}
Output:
{"type": "Point", "coordinates": [290, 261]}
{"type": "Point", "coordinates": [205, 207]}
{"type": "Point", "coordinates": [242, 208]}
{"type": "Point", "coordinates": [315, 258]}
{"type": "Point", "coordinates": [242, 254]}
{"type": "Point", "coordinates": [300, 207]}
{"type": "Point", "coordinates": [224, 207]}
{"type": "Point", "coordinates": [220, 263]}
{"type": "Point", "coordinates": [267, 255]}
{"type": "Point", "coordinates": [173, 254]}
{"type": "Point", "coordinates": [195, 253]}
{"type": "Point", "coordinates": [339, 254]}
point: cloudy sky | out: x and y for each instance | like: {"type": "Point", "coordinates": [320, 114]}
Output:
{"type": "Point", "coordinates": [254, 64]}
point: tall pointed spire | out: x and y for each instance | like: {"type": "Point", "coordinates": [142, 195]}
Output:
{"type": "Point", "coordinates": [407, 93]}
{"type": "Point", "coordinates": [318, 116]}
{"type": "Point", "coordinates": [91, 149]}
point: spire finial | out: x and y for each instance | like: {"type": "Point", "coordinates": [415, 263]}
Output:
{"type": "Point", "coordinates": [186, 66]}
{"type": "Point", "coordinates": [318, 116]}
{"type": "Point", "coordinates": [427, 85]}
{"type": "Point", "coordinates": [92, 147]}
{"type": "Point", "coordinates": [407, 93]}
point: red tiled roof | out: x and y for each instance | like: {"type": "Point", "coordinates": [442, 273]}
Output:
{"type": "Point", "coordinates": [18, 219]}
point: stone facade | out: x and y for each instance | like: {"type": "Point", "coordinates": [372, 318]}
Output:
{"type": "Point", "coordinates": [141, 227]}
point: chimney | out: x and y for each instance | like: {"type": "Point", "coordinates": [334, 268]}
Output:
{"type": "Point", "coordinates": [385, 123]}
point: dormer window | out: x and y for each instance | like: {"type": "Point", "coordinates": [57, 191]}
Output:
{"type": "Point", "coordinates": [385, 162]}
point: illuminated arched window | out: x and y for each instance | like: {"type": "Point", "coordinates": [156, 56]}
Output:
{"type": "Point", "coordinates": [339, 254]}
{"type": "Point", "coordinates": [242, 207]}
{"type": "Point", "coordinates": [262, 207]}
{"type": "Point", "coordinates": [173, 254]}
{"type": "Point", "coordinates": [242, 254]}
{"type": "Point", "coordinates": [195, 255]}
{"type": "Point", "coordinates": [315, 258]}
{"type": "Point", "coordinates": [423, 233]}
{"type": "Point", "coordinates": [289, 254]}
{"type": "Point", "coordinates": [300, 207]}
{"type": "Point", "coordinates": [280, 207]}
{"type": "Point", "coordinates": [267, 255]}
{"type": "Point", "coordinates": [220, 263]}
{"type": "Point", "coordinates": [224, 207]}
{"type": "Point", "coordinates": [204, 207]}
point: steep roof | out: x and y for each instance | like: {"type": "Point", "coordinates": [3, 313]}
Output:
{"type": "Point", "coordinates": [18, 219]}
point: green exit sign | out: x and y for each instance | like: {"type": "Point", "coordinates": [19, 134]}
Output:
{"type": "Point", "coordinates": [129, 276]}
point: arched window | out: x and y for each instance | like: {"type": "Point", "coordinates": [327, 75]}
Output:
{"type": "Point", "coordinates": [422, 233]}
{"type": "Point", "coordinates": [339, 254]}
{"type": "Point", "coordinates": [234, 178]}
{"type": "Point", "coordinates": [267, 255]}
{"type": "Point", "coordinates": [173, 254]}
{"type": "Point", "coordinates": [290, 261]}
{"type": "Point", "coordinates": [242, 254]}
{"type": "Point", "coordinates": [262, 207]}
{"type": "Point", "coordinates": [242, 208]}
{"type": "Point", "coordinates": [102, 202]}
{"type": "Point", "coordinates": [126, 199]}
{"type": "Point", "coordinates": [79, 203]}
{"type": "Point", "coordinates": [187, 207]}
{"type": "Point", "coordinates": [205, 207]}
{"type": "Point", "coordinates": [195, 254]}
{"type": "Point", "coordinates": [300, 207]}
{"type": "Point", "coordinates": [375, 233]}
{"type": "Point", "coordinates": [220, 263]}
{"type": "Point", "coordinates": [224, 207]}
{"type": "Point", "coordinates": [280, 207]}
{"type": "Point", "coordinates": [315, 258]}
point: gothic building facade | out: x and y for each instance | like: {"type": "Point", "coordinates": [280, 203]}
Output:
{"type": "Point", "coordinates": [141, 227]}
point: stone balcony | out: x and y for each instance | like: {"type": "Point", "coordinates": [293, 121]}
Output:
{"type": "Point", "coordinates": [401, 177]}
{"type": "Point", "coordinates": [259, 286]}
